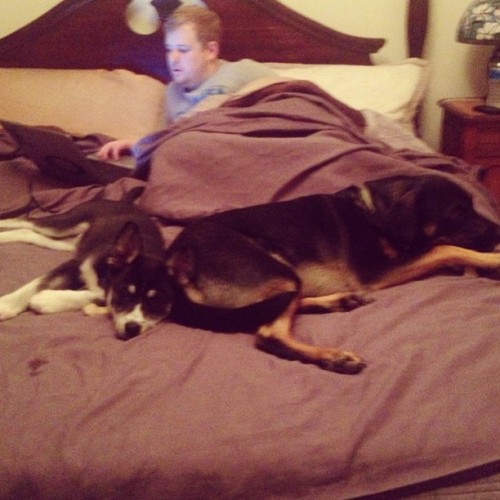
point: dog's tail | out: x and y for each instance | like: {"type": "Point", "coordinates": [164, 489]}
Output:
{"type": "Point", "coordinates": [230, 320]}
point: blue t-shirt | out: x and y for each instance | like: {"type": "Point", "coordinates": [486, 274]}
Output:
{"type": "Point", "coordinates": [229, 78]}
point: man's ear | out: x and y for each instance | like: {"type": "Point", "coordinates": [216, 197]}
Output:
{"type": "Point", "coordinates": [213, 48]}
{"type": "Point", "coordinates": [127, 246]}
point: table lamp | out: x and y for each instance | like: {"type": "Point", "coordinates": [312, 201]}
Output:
{"type": "Point", "coordinates": [144, 16]}
{"type": "Point", "coordinates": [480, 24]}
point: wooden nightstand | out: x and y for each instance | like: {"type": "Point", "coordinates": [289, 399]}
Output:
{"type": "Point", "coordinates": [473, 136]}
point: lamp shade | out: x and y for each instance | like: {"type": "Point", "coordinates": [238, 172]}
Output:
{"type": "Point", "coordinates": [142, 17]}
{"type": "Point", "coordinates": [480, 23]}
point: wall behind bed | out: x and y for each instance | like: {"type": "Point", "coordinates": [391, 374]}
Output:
{"type": "Point", "coordinates": [458, 69]}
{"type": "Point", "coordinates": [14, 15]}
{"type": "Point", "coordinates": [356, 18]}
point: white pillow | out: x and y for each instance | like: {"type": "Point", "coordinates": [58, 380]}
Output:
{"type": "Point", "coordinates": [394, 90]}
{"type": "Point", "coordinates": [117, 103]}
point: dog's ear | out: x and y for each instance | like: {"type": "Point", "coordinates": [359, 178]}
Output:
{"type": "Point", "coordinates": [127, 246]}
{"type": "Point", "coordinates": [393, 194]}
{"type": "Point", "coordinates": [407, 199]}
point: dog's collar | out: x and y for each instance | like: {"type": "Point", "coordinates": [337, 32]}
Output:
{"type": "Point", "coordinates": [366, 197]}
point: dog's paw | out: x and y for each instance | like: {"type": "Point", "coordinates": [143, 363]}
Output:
{"type": "Point", "coordinates": [335, 360]}
{"type": "Point", "coordinates": [94, 309]}
{"type": "Point", "coordinates": [337, 302]}
{"type": "Point", "coordinates": [9, 308]}
{"type": "Point", "coordinates": [353, 301]}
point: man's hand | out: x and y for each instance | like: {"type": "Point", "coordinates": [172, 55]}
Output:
{"type": "Point", "coordinates": [114, 149]}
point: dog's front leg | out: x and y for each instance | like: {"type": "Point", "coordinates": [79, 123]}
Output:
{"type": "Point", "coordinates": [18, 301]}
{"type": "Point", "coordinates": [277, 338]}
{"type": "Point", "coordinates": [56, 301]}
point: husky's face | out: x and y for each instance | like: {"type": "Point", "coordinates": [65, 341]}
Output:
{"type": "Point", "coordinates": [138, 298]}
{"type": "Point", "coordinates": [139, 292]}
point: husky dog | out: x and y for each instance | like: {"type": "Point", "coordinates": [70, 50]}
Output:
{"type": "Point", "coordinates": [118, 260]}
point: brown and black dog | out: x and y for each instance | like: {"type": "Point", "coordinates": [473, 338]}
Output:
{"type": "Point", "coordinates": [254, 268]}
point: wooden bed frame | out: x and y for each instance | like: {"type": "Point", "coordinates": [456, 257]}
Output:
{"type": "Point", "coordinates": [264, 30]}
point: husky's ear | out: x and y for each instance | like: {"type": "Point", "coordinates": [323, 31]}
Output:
{"type": "Point", "coordinates": [127, 246]}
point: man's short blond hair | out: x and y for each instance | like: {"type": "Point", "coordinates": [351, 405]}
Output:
{"type": "Point", "coordinates": [207, 23]}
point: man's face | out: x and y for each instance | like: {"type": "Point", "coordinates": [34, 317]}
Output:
{"type": "Point", "coordinates": [190, 63]}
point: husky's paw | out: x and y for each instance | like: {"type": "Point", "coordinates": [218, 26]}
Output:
{"type": "Point", "coordinates": [9, 308]}
{"type": "Point", "coordinates": [94, 309]}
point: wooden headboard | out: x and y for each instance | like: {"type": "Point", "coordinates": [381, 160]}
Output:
{"type": "Point", "coordinates": [89, 34]}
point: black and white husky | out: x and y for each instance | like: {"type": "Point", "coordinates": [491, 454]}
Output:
{"type": "Point", "coordinates": [118, 261]}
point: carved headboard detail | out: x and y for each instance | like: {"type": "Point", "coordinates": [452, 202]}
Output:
{"type": "Point", "coordinates": [90, 34]}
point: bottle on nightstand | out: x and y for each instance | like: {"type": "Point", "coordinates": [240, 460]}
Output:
{"type": "Point", "coordinates": [493, 98]}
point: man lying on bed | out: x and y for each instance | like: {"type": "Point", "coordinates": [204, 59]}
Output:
{"type": "Point", "coordinates": [192, 45]}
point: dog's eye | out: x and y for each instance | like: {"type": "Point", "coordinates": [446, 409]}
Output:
{"type": "Point", "coordinates": [131, 289]}
{"type": "Point", "coordinates": [151, 293]}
